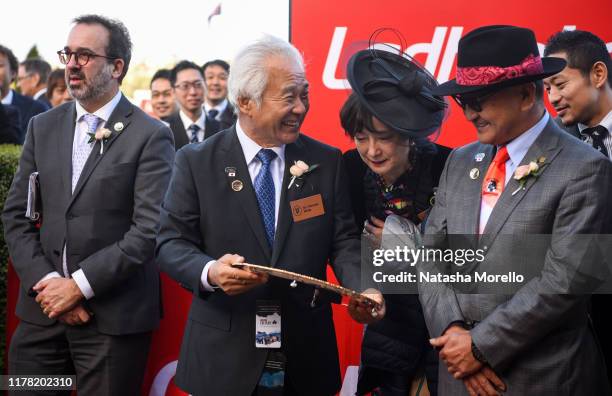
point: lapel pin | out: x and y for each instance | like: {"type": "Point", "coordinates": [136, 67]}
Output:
{"type": "Point", "coordinates": [118, 126]}
{"type": "Point", "coordinates": [237, 185]}
{"type": "Point", "coordinates": [230, 171]}
{"type": "Point", "coordinates": [479, 157]}
{"type": "Point", "coordinates": [474, 173]}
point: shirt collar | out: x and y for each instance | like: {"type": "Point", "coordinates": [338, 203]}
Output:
{"type": "Point", "coordinates": [517, 148]}
{"type": "Point", "coordinates": [220, 107]}
{"type": "Point", "coordinates": [103, 112]}
{"type": "Point", "coordinates": [187, 121]}
{"type": "Point", "coordinates": [39, 93]}
{"type": "Point", "coordinates": [250, 148]}
{"type": "Point", "coordinates": [8, 99]}
{"type": "Point", "coordinates": [606, 122]}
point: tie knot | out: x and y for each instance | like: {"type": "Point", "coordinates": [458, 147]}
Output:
{"type": "Point", "coordinates": [193, 128]}
{"type": "Point", "coordinates": [266, 156]}
{"type": "Point", "coordinates": [212, 113]}
{"type": "Point", "coordinates": [596, 132]}
{"type": "Point", "coordinates": [92, 122]}
{"type": "Point", "coordinates": [502, 155]}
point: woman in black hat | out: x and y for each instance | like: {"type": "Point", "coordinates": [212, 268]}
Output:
{"type": "Point", "coordinates": [394, 170]}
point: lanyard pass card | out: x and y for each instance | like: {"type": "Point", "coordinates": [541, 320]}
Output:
{"type": "Point", "coordinates": [268, 324]}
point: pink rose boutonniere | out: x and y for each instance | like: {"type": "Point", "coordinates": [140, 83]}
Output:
{"type": "Point", "coordinates": [525, 172]}
{"type": "Point", "coordinates": [298, 170]}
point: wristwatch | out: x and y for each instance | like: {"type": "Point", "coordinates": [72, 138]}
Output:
{"type": "Point", "coordinates": [478, 355]}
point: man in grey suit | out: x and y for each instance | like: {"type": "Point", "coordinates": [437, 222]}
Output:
{"type": "Point", "coordinates": [534, 338]}
{"type": "Point", "coordinates": [231, 200]}
{"type": "Point", "coordinates": [89, 295]}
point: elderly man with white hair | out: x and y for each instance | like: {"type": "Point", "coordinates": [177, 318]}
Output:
{"type": "Point", "coordinates": [239, 198]}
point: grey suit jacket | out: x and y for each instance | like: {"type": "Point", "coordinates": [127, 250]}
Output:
{"type": "Point", "coordinates": [108, 224]}
{"type": "Point", "coordinates": [203, 218]}
{"type": "Point", "coordinates": [537, 339]}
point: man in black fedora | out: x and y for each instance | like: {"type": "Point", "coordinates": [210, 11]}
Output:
{"type": "Point", "coordinates": [525, 177]}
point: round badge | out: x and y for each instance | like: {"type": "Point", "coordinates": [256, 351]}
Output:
{"type": "Point", "coordinates": [237, 185]}
{"type": "Point", "coordinates": [118, 126]}
{"type": "Point", "coordinates": [474, 173]}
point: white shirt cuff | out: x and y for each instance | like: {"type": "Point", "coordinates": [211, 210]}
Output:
{"type": "Point", "coordinates": [50, 275]}
{"type": "Point", "coordinates": [83, 284]}
{"type": "Point", "coordinates": [204, 278]}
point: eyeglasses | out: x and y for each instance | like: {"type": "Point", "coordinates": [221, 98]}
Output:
{"type": "Point", "coordinates": [20, 79]}
{"type": "Point", "coordinates": [81, 58]}
{"type": "Point", "coordinates": [475, 102]}
{"type": "Point", "coordinates": [184, 86]}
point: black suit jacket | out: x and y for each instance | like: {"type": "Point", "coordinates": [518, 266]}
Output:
{"type": "Point", "coordinates": [28, 108]}
{"type": "Point", "coordinates": [203, 218]}
{"type": "Point", "coordinates": [228, 117]}
{"type": "Point", "coordinates": [180, 134]}
{"type": "Point", "coordinates": [108, 224]}
{"type": "Point", "coordinates": [45, 101]}
{"type": "Point", "coordinates": [9, 125]}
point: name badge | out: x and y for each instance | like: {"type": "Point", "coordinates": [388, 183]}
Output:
{"type": "Point", "coordinates": [268, 324]}
{"type": "Point", "coordinates": [307, 208]}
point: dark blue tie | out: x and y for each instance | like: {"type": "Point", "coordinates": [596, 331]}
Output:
{"type": "Point", "coordinates": [193, 130]}
{"type": "Point", "coordinates": [264, 189]}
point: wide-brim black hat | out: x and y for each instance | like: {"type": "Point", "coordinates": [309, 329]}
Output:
{"type": "Point", "coordinates": [397, 91]}
{"type": "Point", "coordinates": [498, 56]}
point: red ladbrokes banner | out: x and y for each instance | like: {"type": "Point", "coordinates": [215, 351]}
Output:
{"type": "Point", "coordinates": [328, 33]}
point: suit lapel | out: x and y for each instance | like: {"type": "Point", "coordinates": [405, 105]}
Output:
{"type": "Point", "coordinates": [293, 153]}
{"type": "Point", "coordinates": [66, 126]}
{"type": "Point", "coordinates": [474, 187]}
{"type": "Point", "coordinates": [234, 158]}
{"type": "Point", "coordinates": [546, 145]}
{"type": "Point", "coordinates": [121, 115]}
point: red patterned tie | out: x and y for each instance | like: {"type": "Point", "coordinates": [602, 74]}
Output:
{"type": "Point", "coordinates": [495, 180]}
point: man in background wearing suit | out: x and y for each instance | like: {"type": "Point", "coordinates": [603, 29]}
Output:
{"type": "Point", "coordinates": [89, 294]}
{"type": "Point", "coordinates": [531, 337]}
{"type": "Point", "coordinates": [190, 124]}
{"type": "Point", "coordinates": [216, 105]}
{"type": "Point", "coordinates": [582, 96]}
{"type": "Point", "coordinates": [27, 107]}
{"type": "Point", "coordinates": [9, 125]}
{"type": "Point", "coordinates": [162, 95]}
{"type": "Point", "coordinates": [229, 202]}
{"type": "Point", "coordinates": [32, 79]}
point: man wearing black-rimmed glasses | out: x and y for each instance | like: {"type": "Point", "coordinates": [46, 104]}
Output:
{"type": "Point", "coordinates": [190, 124]}
{"type": "Point", "coordinates": [89, 295]}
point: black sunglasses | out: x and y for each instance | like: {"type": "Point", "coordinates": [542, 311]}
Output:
{"type": "Point", "coordinates": [474, 101]}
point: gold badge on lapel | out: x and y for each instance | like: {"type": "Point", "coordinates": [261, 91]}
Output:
{"type": "Point", "coordinates": [474, 173]}
{"type": "Point", "coordinates": [307, 208]}
{"type": "Point", "coordinates": [237, 185]}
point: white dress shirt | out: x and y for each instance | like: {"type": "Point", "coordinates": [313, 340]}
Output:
{"type": "Point", "coordinates": [81, 137]}
{"type": "Point", "coordinates": [277, 168]}
{"type": "Point", "coordinates": [517, 149]}
{"type": "Point", "coordinates": [199, 122]}
{"type": "Point", "coordinates": [8, 99]}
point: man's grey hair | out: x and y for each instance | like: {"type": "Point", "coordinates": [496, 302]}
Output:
{"type": "Point", "coordinates": [249, 75]}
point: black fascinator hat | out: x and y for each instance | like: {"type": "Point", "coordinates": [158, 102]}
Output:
{"type": "Point", "coordinates": [397, 90]}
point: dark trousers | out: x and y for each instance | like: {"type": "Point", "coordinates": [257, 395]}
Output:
{"type": "Point", "coordinates": [103, 364]}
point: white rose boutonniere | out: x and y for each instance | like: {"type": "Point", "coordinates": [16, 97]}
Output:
{"type": "Point", "coordinates": [525, 172]}
{"type": "Point", "coordinates": [102, 135]}
{"type": "Point", "coordinates": [298, 170]}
